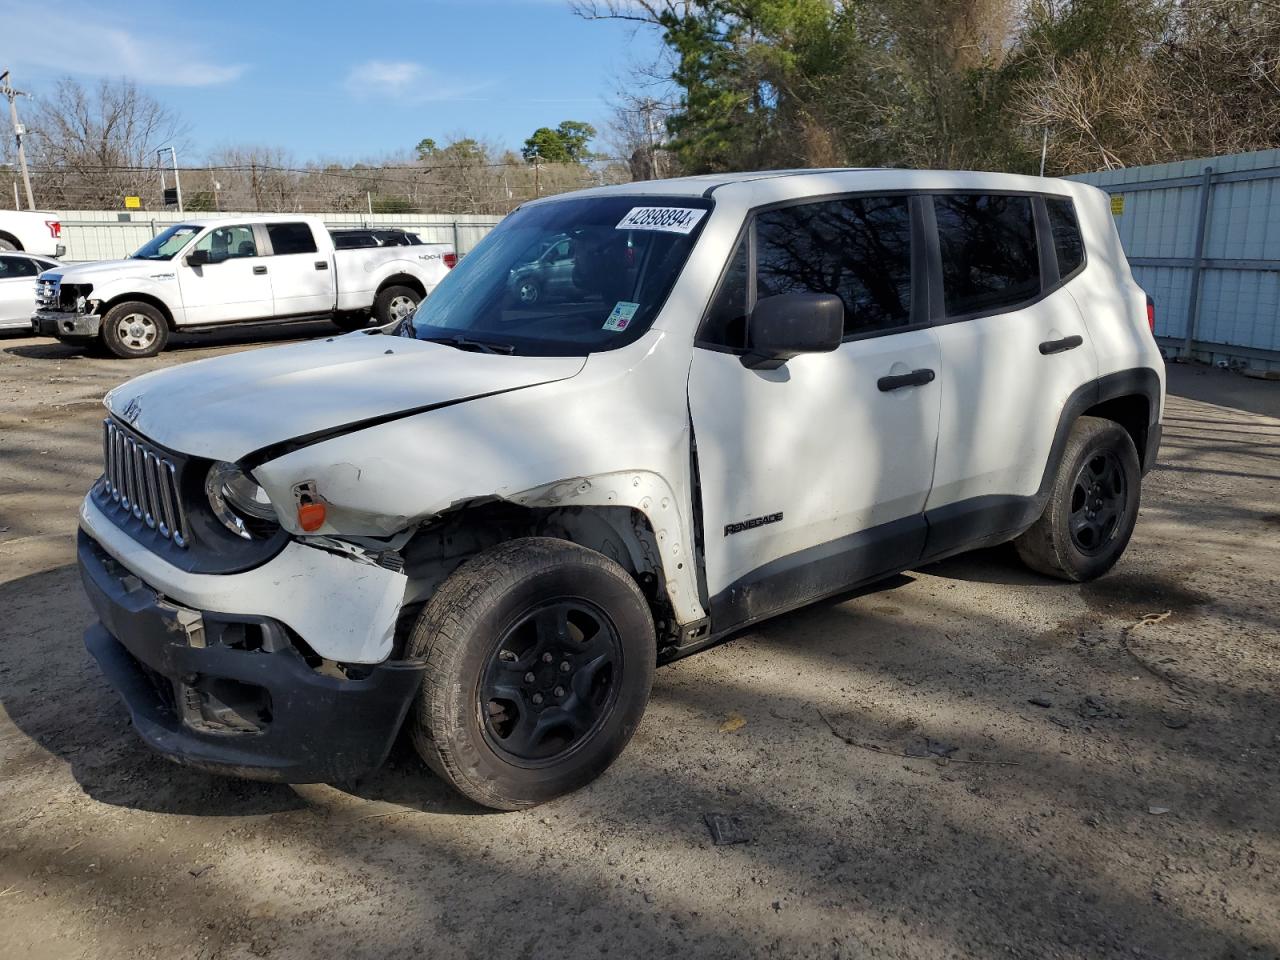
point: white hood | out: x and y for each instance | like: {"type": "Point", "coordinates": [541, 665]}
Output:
{"type": "Point", "coordinates": [226, 407]}
{"type": "Point", "coordinates": [103, 270]}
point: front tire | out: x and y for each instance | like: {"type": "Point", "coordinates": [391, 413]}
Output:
{"type": "Point", "coordinates": [1092, 507]}
{"type": "Point", "coordinates": [394, 304]}
{"type": "Point", "coordinates": [528, 291]}
{"type": "Point", "coordinates": [540, 656]}
{"type": "Point", "coordinates": [7, 245]}
{"type": "Point", "coordinates": [134, 330]}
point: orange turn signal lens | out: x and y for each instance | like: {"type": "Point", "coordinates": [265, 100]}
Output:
{"type": "Point", "coordinates": [311, 516]}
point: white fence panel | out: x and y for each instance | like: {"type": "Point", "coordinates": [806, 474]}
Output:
{"type": "Point", "coordinates": [110, 235]}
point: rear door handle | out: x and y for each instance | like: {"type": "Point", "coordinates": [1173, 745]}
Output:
{"type": "Point", "coordinates": [322, 265]}
{"type": "Point", "coordinates": [1061, 346]}
{"type": "Point", "coordinates": [916, 378]}
{"type": "Point", "coordinates": [259, 270]}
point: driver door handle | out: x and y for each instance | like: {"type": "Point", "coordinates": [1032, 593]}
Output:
{"type": "Point", "coordinates": [916, 378]}
{"type": "Point", "coordinates": [1061, 346]}
{"type": "Point", "coordinates": [322, 265]}
{"type": "Point", "coordinates": [259, 269]}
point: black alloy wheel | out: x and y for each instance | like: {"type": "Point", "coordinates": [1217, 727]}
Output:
{"type": "Point", "coordinates": [550, 681]}
{"type": "Point", "coordinates": [1097, 502]}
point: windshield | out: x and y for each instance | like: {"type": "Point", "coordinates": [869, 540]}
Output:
{"type": "Point", "coordinates": [164, 245]}
{"type": "Point", "coordinates": [565, 278]}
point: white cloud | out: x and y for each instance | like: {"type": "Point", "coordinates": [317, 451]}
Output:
{"type": "Point", "coordinates": [388, 77]}
{"type": "Point", "coordinates": [405, 80]}
{"type": "Point", "coordinates": [76, 44]}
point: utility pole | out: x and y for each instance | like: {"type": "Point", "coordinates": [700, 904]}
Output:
{"type": "Point", "coordinates": [1044, 150]}
{"type": "Point", "coordinates": [19, 131]}
{"type": "Point", "coordinates": [647, 108]}
{"type": "Point", "coordinates": [177, 179]}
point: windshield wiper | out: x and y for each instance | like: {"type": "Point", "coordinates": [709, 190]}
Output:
{"type": "Point", "coordinates": [476, 346]}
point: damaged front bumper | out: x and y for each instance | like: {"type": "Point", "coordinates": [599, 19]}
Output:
{"type": "Point", "coordinates": [213, 685]}
{"type": "Point", "coordinates": [65, 323]}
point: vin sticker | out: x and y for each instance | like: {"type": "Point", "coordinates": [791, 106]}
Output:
{"type": "Point", "coordinates": [663, 219]}
{"type": "Point", "coordinates": [732, 528]}
{"type": "Point", "coordinates": [620, 317]}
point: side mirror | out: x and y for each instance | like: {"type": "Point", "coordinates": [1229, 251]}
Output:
{"type": "Point", "coordinates": [198, 258]}
{"type": "Point", "coordinates": [790, 324]}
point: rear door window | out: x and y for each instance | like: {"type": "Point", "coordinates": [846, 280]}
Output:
{"type": "Point", "coordinates": [288, 238]}
{"type": "Point", "coordinates": [1067, 242]}
{"type": "Point", "coordinates": [990, 261]}
{"type": "Point", "coordinates": [13, 268]}
{"type": "Point", "coordinates": [858, 248]}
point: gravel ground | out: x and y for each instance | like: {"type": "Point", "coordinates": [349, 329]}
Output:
{"type": "Point", "coordinates": [968, 761]}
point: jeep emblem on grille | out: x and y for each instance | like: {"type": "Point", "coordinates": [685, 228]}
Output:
{"type": "Point", "coordinates": [132, 410]}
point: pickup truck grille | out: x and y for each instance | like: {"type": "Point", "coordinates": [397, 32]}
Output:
{"type": "Point", "coordinates": [49, 293]}
{"type": "Point", "coordinates": [142, 481]}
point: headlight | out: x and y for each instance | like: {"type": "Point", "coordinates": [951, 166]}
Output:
{"type": "Point", "coordinates": [238, 502]}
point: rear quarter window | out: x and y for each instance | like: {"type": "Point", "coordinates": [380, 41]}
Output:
{"type": "Point", "coordinates": [1065, 228]}
{"type": "Point", "coordinates": [990, 260]}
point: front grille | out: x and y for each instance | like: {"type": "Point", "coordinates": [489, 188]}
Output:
{"type": "Point", "coordinates": [48, 293]}
{"type": "Point", "coordinates": [141, 481]}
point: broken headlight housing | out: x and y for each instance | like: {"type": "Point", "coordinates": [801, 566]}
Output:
{"type": "Point", "coordinates": [239, 503]}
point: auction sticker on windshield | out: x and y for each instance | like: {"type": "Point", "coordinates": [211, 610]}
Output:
{"type": "Point", "coordinates": [666, 219]}
{"type": "Point", "coordinates": [621, 316]}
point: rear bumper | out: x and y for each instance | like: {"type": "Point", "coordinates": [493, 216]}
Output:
{"type": "Point", "coordinates": [233, 694]}
{"type": "Point", "coordinates": [56, 323]}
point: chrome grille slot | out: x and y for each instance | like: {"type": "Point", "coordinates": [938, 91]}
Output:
{"type": "Point", "coordinates": [49, 293]}
{"type": "Point", "coordinates": [144, 483]}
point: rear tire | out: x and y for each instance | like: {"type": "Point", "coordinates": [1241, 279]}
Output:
{"type": "Point", "coordinates": [6, 244]}
{"type": "Point", "coordinates": [394, 304]}
{"type": "Point", "coordinates": [1092, 507]}
{"type": "Point", "coordinates": [134, 330]}
{"type": "Point", "coordinates": [540, 656]}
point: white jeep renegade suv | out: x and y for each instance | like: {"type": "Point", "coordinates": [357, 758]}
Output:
{"type": "Point", "coordinates": [751, 392]}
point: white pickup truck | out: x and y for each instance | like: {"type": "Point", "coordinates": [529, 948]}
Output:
{"type": "Point", "coordinates": [37, 232]}
{"type": "Point", "coordinates": [203, 274]}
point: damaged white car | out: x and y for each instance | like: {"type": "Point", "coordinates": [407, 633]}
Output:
{"type": "Point", "coordinates": [491, 523]}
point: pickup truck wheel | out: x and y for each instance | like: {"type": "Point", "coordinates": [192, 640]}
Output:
{"type": "Point", "coordinates": [134, 330]}
{"type": "Point", "coordinates": [540, 655]}
{"type": "Point", "coordinates": [528, 291]}
{"type": "Point", "coordinates": [6, 244]}
{"type": "Point", "coordinates": [394, 304]}
{"type": "Point", "coordinates": [1092, 508]}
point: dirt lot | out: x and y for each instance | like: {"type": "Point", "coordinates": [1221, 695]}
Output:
{"type": "Point", "coordinates": [1134, 812]}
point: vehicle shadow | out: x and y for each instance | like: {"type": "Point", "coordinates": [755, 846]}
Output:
{"type": "Point", "coordinates": [52, 691]}
{"type": "Point", "coordinates": [27, 347]}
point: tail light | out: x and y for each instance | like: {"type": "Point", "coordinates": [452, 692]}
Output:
{"type": "Point", "coordinates": [1151, 313]}
{"type": "Point", "coordinates": [55, 228]}
{"type": "Point", "coordinates": [450, 260]}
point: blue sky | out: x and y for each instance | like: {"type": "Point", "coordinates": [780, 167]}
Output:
{"type": "Point", "coordinates": [341, 81]}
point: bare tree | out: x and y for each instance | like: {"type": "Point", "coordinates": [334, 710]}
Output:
{"type": "Point", "coordinates": [94, 145]}
{"type": "Point", "coordinates": [637, 132]}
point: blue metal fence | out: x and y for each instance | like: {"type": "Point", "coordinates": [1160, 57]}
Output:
{"type": "Point", "coordinates": [1203, 237]}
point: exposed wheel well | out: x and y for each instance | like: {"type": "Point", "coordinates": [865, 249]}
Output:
{"type": "Point", "coordinates": [138, 298]}
{"type": "Point", "coordinates": [403, 280]}
{"type": "Point", "coordinates": [1133, 412]}
{"type": "Point", "coordinates": [17, 244]}
{"type": "Point", "coordinates": [620, 533]}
